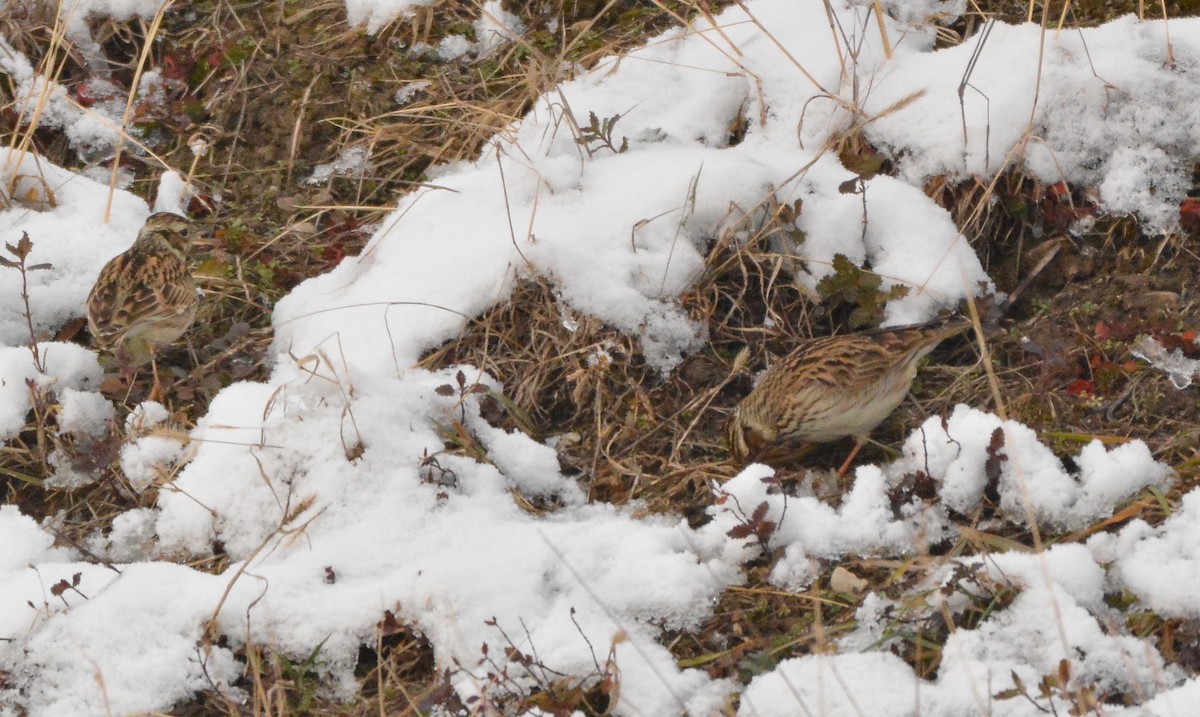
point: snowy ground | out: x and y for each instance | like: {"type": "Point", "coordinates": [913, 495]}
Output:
{"type": "Point", "coordinates": [313, 482]}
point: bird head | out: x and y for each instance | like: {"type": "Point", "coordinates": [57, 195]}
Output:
{"type": "Point", "coordinates": [747, 438]}
{"type": "Point", "coordinates": [169, 232]}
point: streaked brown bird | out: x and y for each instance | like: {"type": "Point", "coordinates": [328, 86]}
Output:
{"type": "Point", "coordinates": [832, 387]}
{"type": "Point", "coordinates": [145, 298]}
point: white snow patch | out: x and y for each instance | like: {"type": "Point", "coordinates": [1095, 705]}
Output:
{"type": "Point", "coordinates": [1032, 482]}
{"type": "Point", "coordinates": [84, 412]}
{"type": "Point", "coordinates": [846, 685]}
{"type": "Point", "coordinates": [374, 14]}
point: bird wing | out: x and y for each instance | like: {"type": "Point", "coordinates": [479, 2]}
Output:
{"type": "Point", "coordinates": [134, 289]}
{"type": "Point", "coordinates": [855, 359]}
{"type": "Point", "coordinates": [105, 302]}
{"type": "Point", "coordinates": [830, 380]}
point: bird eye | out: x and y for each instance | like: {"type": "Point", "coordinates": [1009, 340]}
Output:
{"type": "Point", "coordinates": [185, 232]}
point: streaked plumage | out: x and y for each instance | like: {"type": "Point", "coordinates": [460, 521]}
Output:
{"type": "Point", "coordinates": [145, 298]}
{"type": "Point", "coordinates": [832, 387]}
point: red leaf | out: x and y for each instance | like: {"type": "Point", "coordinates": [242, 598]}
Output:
{"type": "Point", "coordinates": [1080, 387]}
{"type": "Point", "coordinates": [742, 530]}
{"type": "Point", "coordinates": [1189, 214]}
{"type": "Point", "coordinates": [996, 456]}
{"type": "Point", "coordinates": [172, 69]}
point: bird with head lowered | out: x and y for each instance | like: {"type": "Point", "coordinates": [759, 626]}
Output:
{"type": "Point", "coordinates": [832, 387]}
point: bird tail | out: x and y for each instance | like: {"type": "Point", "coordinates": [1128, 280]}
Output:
{"type": "Point", "coordinates": [943, 327]}
{"type": "Point", "coordinates": [946, 326]}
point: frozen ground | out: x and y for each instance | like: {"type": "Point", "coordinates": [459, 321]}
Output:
{"type": "Point", "coordinates": [313, 484]}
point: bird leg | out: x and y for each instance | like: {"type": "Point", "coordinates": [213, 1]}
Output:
{"type": "Point", "coordinates": [122, 380]}
{"type": "Point", "coordinates": [858, 443]}
{"type": "Point", "coordinates": [128, 384]}
{"type": "Point", "coordinates": [156, 388]}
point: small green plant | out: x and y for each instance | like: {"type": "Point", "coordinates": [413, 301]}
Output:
{"type": "Point", "coordinates": [521, 679]}
{"type": "Point", "coordinates": [21, 251]}
{"type": "Point", "coordinates": [1083, 700]}
{"type": "Point", "coordinates": [303, 680]}
{"type": "Point", "coordinates": [599, 134]}
{"type": "Point", "coordinates": [1085, 310]}
{"type": "Point", "coordinates": [755, 525]}
{"type": "Point", "coordinates": [462, 391]}
{"type": "Point", "coordinates": [456, 432]}
{"type": "Point", "coordinates": [860, 287]}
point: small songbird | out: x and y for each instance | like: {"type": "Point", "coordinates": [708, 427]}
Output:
{"type": "Point", "coordinates": [832, 387]}
{"type": "Point", "coordinates": [145, 298]}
